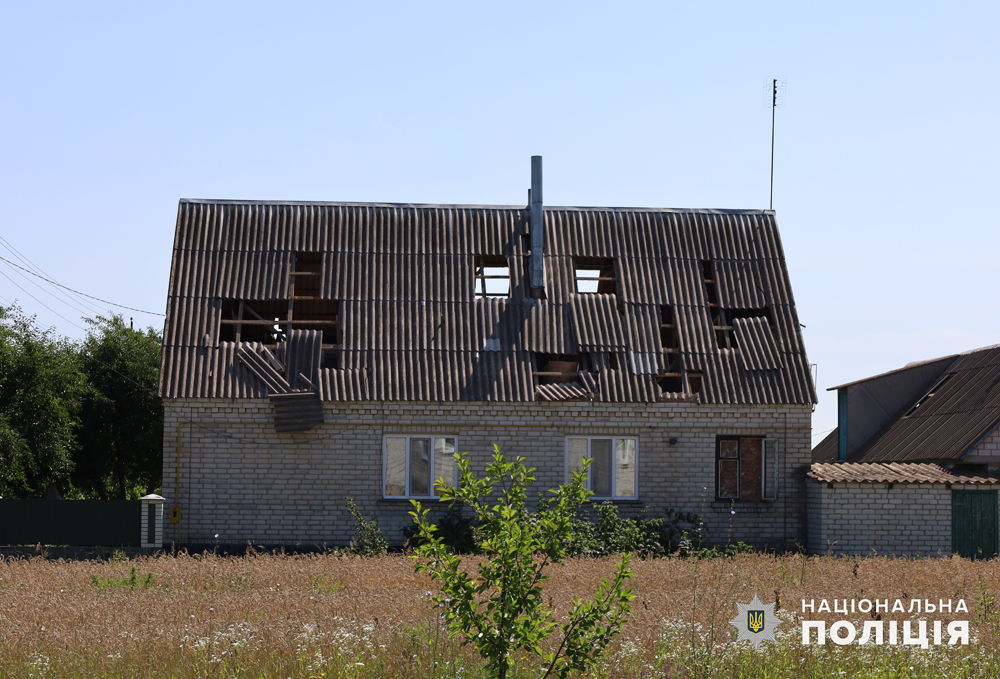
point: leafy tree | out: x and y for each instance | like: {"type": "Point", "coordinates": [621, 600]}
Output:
{"type": "Point", "coordinates": [121, 437]}
{"type": "Point", "coordinates": [40, 388]}
{"type": "Point", "coordinates": [501, 611]}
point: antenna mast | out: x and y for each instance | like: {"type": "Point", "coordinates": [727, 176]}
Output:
{"type": "Point", "coordinates": [774, 106]}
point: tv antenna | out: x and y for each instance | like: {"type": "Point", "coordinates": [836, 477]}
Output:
{"type": "Point", "coordinates": [774, 96]}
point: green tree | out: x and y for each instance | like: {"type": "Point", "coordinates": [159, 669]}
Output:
{"type": "Point", "coordinates": [121, 437]}
{"type": "Point", "coordinates": [40, 388]}
{"type": "Point", "coordinates": [501, 611]}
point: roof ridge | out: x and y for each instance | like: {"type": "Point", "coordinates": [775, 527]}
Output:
{"type": "Point", "coordinates": [481, 206]}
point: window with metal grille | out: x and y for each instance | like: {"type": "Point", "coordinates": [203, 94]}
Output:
{"type": "Point", "coordinates": [612, 472]}
{"type": "Point", "coordinates": [746, 468]}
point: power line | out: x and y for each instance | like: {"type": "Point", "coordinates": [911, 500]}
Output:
{"type": "Point", "coordinates": [41, 302]}
{"type": "Point", "coordinates": [69, 303]}
{"type": "Point", "coordinates": [45, 274]}
{"type": "Point", "coordinates": [104, 301]}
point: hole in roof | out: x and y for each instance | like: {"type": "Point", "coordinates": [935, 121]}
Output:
{"type": "Point", "coordinates": [492, 276]}
{"type": "Point", "coordinates": [556, 368]}
{"type": "Point", "coordinates": [595, 275]}
{"type": "Point", "coordinates": [935, 389]}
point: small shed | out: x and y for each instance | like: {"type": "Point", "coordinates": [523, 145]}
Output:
{"type": "Point", "coordinates": [907, 509]}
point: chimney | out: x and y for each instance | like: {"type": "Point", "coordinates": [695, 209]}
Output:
{"type": "Point", "coordinates": [537, 232]}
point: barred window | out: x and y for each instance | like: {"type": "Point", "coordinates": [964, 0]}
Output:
{"type": "Point", "coordinates": [746, 468]}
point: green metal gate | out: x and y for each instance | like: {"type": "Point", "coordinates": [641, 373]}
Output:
{"type": "Point", "coordinates": [974, 523]}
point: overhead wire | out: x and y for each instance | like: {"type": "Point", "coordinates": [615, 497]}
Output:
{"type": "Point", "coordinates": [41, 302]}
{"type": "Point", "coordinates": [104, 301]}
{"type": "Point", "coordinates": [33, 266]}
{"type": "Point", "coordinates": [70, 303]}
{"type": "Point", "coordinates": [44, 274]}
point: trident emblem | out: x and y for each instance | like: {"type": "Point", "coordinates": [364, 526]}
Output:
{"type": "Point", "coordinates": [755, 621]}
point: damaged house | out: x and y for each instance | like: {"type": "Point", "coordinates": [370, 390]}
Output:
{"type": "Point", "coordinates": [315, 351]}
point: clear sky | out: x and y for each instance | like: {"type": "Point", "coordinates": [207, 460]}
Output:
{"type": "Point", "coordinates": [886, 155]}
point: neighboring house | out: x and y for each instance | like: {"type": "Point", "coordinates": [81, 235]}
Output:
{"type": "Point", "coordinates": [314, 351]}
{"type": "Point", "coordinates": [917, 455]}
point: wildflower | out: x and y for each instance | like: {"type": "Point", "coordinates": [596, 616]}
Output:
{"type": "Point", "coordinates": [732, 511]}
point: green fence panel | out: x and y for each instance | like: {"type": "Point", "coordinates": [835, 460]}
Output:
{"type": "Point", "coordinates": [71, 522]}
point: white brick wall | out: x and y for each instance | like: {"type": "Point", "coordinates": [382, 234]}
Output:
{"type": "Point", "coordinates": [242, 480]}
{"type": "Point", "coordinates": [908, 519]}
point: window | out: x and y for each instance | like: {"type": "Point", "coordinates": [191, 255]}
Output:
{"type": "Point", "coordinates": [746, 468]}
{"type": "Point", "coordinates": [595, 275]}
{"type": "Point", "coordinates": [613, 467]}
{"type": "Point", "coordinates": [414, 463]}
{"type": "Point", "coordinates": [492, 276]}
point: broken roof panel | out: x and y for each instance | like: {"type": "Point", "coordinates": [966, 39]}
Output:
{"type": "Point", "coordinates": [409, 325]}
{"type": "Point", "coordinates": [757, 346]}
{"type": "Point", "coordinates": [596, 322]}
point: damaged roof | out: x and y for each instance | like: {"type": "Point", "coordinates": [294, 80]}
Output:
{"type": "Point", "coordinates": [391, 311]}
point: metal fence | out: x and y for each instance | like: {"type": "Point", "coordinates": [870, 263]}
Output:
{"type": "Point", "coordinates": [71, 522]}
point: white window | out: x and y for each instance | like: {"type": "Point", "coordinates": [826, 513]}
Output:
{"type": "Point", "coordinates": [613, 466]}
{"type": "Point", "coordinates": [411, 465]}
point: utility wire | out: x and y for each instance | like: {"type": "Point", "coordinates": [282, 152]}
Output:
{"type": "Point", "coordinates": [41, 302]}
{"type": "Point", "coordinates": [104, 301]}
{"type": "Point", "coordinates": [70, 302]}
{"type": "Point", "coordinates": [77, 299]}
{"type": "Point", "coordinates": [45, 274]}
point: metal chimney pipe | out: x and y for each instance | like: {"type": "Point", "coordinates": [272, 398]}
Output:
{"type": "Point", "coordinates": [537, 225]}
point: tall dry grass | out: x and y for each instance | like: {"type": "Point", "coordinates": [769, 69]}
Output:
{"type": "Point", "coordinates": [267, 615]}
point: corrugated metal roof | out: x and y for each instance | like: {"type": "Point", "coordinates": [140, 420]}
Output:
{"type": "Point", "coordinates": [948, 421]}
{"type": "Point", "coordinates": [894, 472]}
{"type": "Point", "coordinates": [756, 344]}
{"type": "Point", "coordinates": [826, 450]}
{"type": "Point", "coordinates": [411, 328]}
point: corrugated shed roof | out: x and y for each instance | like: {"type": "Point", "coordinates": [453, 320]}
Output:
{"type": "Point", "coordinates": [826, 450]}
{"type": "Point", "coordinates": [952, 418]}
{"type": "Point", "coordinates": [894, 472]}
{"type": "Point", "coordinates": [412, 329]}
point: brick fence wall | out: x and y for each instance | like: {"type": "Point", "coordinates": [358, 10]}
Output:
{"type": "Point", "coordinates": [242, 480]}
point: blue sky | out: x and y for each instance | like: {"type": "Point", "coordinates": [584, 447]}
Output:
{"type": "Point", "coordinates": [886, 156]}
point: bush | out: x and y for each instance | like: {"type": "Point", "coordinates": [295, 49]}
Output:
{"type": "Point", "coordinates": [455, 529]}
{"type": "Point", "coordinates": [371, 541]}
{"type": "Point", "coordinates": [611, 534]}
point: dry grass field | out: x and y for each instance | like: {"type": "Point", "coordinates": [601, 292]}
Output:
{"type": "Point", "coordinates": [267, 615]}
